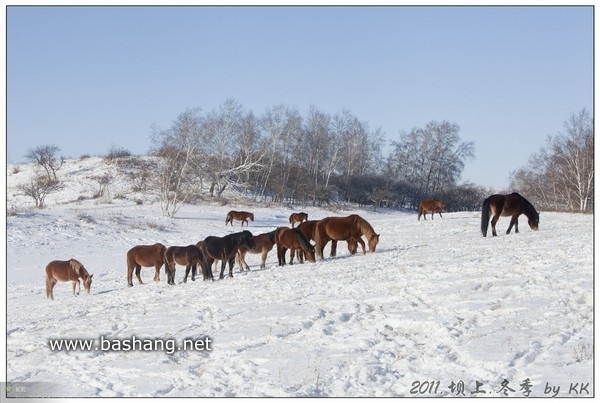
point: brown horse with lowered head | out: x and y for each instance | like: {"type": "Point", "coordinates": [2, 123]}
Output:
{"type": "Point", "coordinates": [308, 229]}
{"type": "Point", "coordinates": [292, 239]}
{"type": "Point", "coordinates": [512, 205]}
{"type": "Point", "coordinates": [145, 256]}
{"type": "Point", "coordinates": [189, 256]}
{"type": "Point", "coordinates": [242, 216]}
{"type": "Point", "coordinates": [350, 228]}
{"type": "Point", "coordinates": [263, 243]}
{"type": "Point", "coordinates": [298, 217]}
{"type": "Point", "coordinates": [224, 249]}
{"type": "Point", "coordinates": [431, 205]}
{"type": "Point", "coordinates": [67, 270]}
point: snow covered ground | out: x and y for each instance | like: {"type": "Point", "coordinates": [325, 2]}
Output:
{"type": "Point", "coordinates": [436, 310]}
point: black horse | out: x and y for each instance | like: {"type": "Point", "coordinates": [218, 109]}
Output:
{"type": "Point", "coordinates": [224, 249]}
{"type": "Point", "coordinates": [507, 205]}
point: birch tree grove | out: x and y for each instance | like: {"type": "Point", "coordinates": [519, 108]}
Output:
{"type": "Point", "coordinates": [561, 175]}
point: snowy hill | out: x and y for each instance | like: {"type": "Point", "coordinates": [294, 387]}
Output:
{"type": "Point", "coordinates": [436, 310]}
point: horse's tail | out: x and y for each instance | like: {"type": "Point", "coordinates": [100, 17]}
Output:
{"type": "Point", "coordinates": [485, 216]}
{"type": "Point", "coordinates": [48, 283]}
{"type": "Point", "coordinates": [227, 218]}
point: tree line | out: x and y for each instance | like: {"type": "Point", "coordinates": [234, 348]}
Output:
{"type": "Point", "coordinates": [318, 159]}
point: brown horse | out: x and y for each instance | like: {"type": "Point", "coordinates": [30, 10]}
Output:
{"type": "Point", "coordinates": [349, 228]}
{"type": "Point", "coordinates": [431, 205]}
{"type": "Point", "coordinates": [308, 229]}
{"type": "Point", "coordinates": [67, 270]}
{"type": "Point", "coordinates": [263, 244]}
{"type": "Point", "coordinates": [145, 256]}
{"type": "Point", "coordinates": [225, 248]}
{"type": "Point", "coordinates": [298, 217]}
{"type": "Point", "coordinates": [512, 205]}
{"type": "Point", "coordinates": [242, 216]}
{"type": "Point", "coordinates": [292, 239]}
{"type": "Point", "coordinates": [189, 256]}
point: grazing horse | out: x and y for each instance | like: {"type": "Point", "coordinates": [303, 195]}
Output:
{"type": "Point", "coordinates": [298, 217]}
{"type": "Point", "coordinates": [189, 256]}
{"type": "Point", "coordinates": [349, 229]}
{"type": "Point", "coordinates": [308, 229]}
{"type": "Point", "coordinates": [292, 239]}
{"type": "Point", "coordinates": [225, 248]}
{"type": "Point", "coordinates": [242, 216]}
{"type": "Point", "coordinates": [431, 205]}
{"type": "Point", "coordinates": [507, 205]}
{"type": "Point", "coordinates": [67, 270]}
{"type": "Point", "coordinates": [263, 244]}
{"type": "Point", "coordinates": [145, 256]}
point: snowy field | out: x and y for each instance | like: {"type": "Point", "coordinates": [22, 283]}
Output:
{"type": "Point", "coordinates": [436, 310]}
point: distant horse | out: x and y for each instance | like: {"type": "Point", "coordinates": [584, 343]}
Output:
{"type": "Point", "coordinates": [349, 228]}
{"type": "Point", "coordinates": [298, 217]}
{"type": "Point", "coordinates": [67, 270]}
{"type": "Point", "coordinates": [507, 205]}
{"type": "Point", "coordinates": [263, 244]}
{"type": "Point", "coordinates": [145, 256]}
{"type": "Point", "coordinates": [292, 239]}
{"type": "Point", "coordinates": [431, 205]}
{"type": "Point", "coordinates": [225, 248]}
{"type": "Point", "coordinates": [308, 229]}
{"type": "Point", "coordinates": [189, 256]}
{"type": "Point", "coordinates": [242, 216]}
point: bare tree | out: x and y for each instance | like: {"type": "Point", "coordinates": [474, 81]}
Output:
{"type": "Point", "coordinates": [561, 174]}
{"type": "Point", "coordinates": [46, 157]}
{"type": "Point", "coordinates": [39, 187]}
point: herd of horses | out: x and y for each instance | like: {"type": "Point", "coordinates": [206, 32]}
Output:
{"type": "Point", "coordinates": [234, 247]}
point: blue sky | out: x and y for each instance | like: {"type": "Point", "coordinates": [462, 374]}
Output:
{"type": "Point", "coordinates": [89, 78]}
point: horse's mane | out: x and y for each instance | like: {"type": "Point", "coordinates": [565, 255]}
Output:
{"type": "Point", "coordinates": [303, 240]}
{"type": "Point", "coordinates": [364, 226]}
{"type": "Point", "coordinates": [529, 209]}
{"type": "Point", "coordinates": [77, 267]}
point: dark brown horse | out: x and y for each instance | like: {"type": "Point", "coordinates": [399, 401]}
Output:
{"type": "Point", "coordinates": [308, 229]}
{"type": "Point", "coordinates": [145, 256]}
{"type": "Point", "coordinates": [292, 239]}
{"type": "Point", "coordinates": [298, 217]}
{"type": "Point", "coordinates": [189, 256]}
{"type": "Point", "coordinates": [67, 270]}
{"type": "Point", "coordinates": [512, 205]}
{"type": "Point", "coordinates": [349, 229]}
{"type": "Point", "coordinates": [242, 216]}
{"type": "Point", "coordinates": [263, 243]}
{"type": "Point", "coordinates": [431, 205]}
{"type": "Point", "coordinates": [225, 248]}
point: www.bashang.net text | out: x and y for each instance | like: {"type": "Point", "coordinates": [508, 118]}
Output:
{"type": "Point", "coordinates": [133, 343]}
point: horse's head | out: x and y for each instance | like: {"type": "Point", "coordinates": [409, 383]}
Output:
{"type": "Point", "coordinates": [533, 221]}
{"type": "Point", "coordinates": [310, 253]}
{"type": "Point", "coordinates": [87, 282]}
{"type": "Point", "coordinates": [248, 239]}
{"type": "Point", "coordinates": [373, 241]}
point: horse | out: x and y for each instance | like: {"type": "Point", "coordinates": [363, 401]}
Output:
{"type": "Point", "coordinates": [145, 256]}
{"type": "Point", "coordinates": [292, 239]}
{"type": "Point", "coordinates": [431, 205]}
{"type": "Point", "coordinates": [240, 216]}
{"type": "Point", "coordinates": [189, 256]}
{"type": "Point", "coordinates": [350, 228]}
{"type": "Point", "coordinates": [263, 244]}
{"type": "Point", "coordinates": [308, 229]}
{"type": "Point", "coordinates": [225, 248]}
{"type": "Point", "coordinates": [507, 205]}
{"type": "Point", "coordinates": [298, 217]}
{"type": "Point", "coordinates": [67, 270]}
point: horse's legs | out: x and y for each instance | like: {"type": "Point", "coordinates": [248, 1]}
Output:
{"type": "Point", "coordinates": [75, 284]}
{"type": "Point", "coordinates": [50, 283]}
{"type": "Point", "coordinates": [231, 260]}
{"type": "Point", "coordinates": [157, 267]}
{"type": "Point", "coordinates": [223, 262]}
{"type": "Point", "coordinates": [263, 259]}
{"type": "Point", "coordinates": [333, 247]}
{"type": "Point", "coordinates": [187, 272]}
{"type": "Point", "coordinates": [494, 221]}
{"type": "Point", "coordinates": [292, 253]}
{"type": "Point", "coordinates": [513, 221]}
{"type": "Point", "coordinates": [362, 243]}
{"type": "Point", "coordinates": [138, 270]}
{"type": "Point", "coordinates": [440, 213]}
